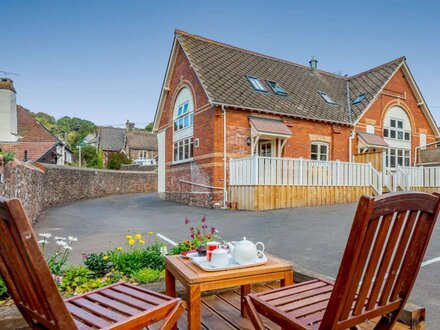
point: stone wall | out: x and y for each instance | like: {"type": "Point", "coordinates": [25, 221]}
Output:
{"type": "Point", "coordinates": [50, 185]}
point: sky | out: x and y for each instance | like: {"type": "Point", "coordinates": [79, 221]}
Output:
{"type": "Point", "coordinates": [105, 60]}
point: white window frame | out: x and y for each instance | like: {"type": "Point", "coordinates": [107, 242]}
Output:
{"type": "Point", "coordinates": [184, 118]}
{"type": "Point", "coordinates": [319, 152]}
{"type": "Point", "coordinates": [388, 130]}
{"type": "Point", "coordinates": [143, 154]}
{"type": "Point", "coordinates": [256, 84]}
{"type": "Point", "coordinates": [272, 148]}
{"type": "Point", "coordinates": [183, 150]}
{"type": "Point", "coordinates": [405, 156]}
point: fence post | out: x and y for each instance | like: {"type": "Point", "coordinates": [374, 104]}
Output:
{"type": "Point", "coordinates": [338, 178]}
{"type": "Point", "coordinates": [256, 172]}
{"type": "Point", "coordinates": [301, 171]}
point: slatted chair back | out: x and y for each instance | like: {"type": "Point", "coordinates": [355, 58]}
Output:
{"type": "Point", "coordinates": [385, 249]}
{"type": "Point", "coordinates": [26, 273]}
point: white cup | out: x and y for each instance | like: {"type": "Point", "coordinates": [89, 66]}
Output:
{"type": "Point", "coordinates": [219, 258]}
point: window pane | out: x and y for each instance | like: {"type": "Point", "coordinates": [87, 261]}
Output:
{"type": "Point", "coordinates": [392, 161]}
{"type": "Point", "coordinates": [185, 108]}
{"type": "Point", "coordinates": [400, 161]}
{"type": "Point", "coordinates": [179, 112]}
{"type": "Point", "coordinates": [314, 157]}
{"type": "Point", "coordinates": [323, 149]}
{"type": "Point", "coordinates": [393, 152]}
{"type": "Point", "coordinates": [186, 121]}
{"type": "Point", "coordinates": [393, 123]}
{"type": "Point", "coordinates": [407, 136]}
{"type": "Point", "coordinates": [176, 127]}
{"type": "Point", "coordinates": [191, 148]}
{"type": "Point", "coordinates": [314, 148]}
{"type": "Point", "coordinates": [399, 152]}
{"type": "Point", "coordinates": [176, 152]}
{"type": "Point", "coordinates": [400, 135]}
{"type": "Point", "coordinates": [180, 123]}
{"type": "Point", "coordinates": [191, 119]}
{"type": "Point", "coordinates": [385, 132]}
{"type": "Point", "coordinates": [406, 161]}
{"type": "Point", "coordinates": [399, 124]}
{"type": "Point", "coordinates": [406, 153]}
{"type": "Point", "coordinates": [323, 157]}
{"type": "Point", "coordinates": [392, 134]}
{"type": "Point", "coordinates": [186, 150]}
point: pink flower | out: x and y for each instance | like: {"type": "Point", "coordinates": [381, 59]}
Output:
{"type": "Point", "coordinates": [213, 230]}
{"type": "Point", "coordinates": [204, 219]}
{"type": "Point", "coordinates": [192, 236]}
{"type": "Point", "coordinates": [186, 221]}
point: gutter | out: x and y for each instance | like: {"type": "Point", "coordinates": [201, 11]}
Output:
{"type": "Point", "coordinates": [350, 119]}
{"type": "Point", "coordinates": [224, 157]}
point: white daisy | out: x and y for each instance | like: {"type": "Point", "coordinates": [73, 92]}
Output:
{"type": "Point", "coordinates": [45, 235]}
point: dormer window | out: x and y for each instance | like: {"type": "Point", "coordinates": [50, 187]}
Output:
{"type": "Point", "coordinates": [359, 98]}
{"type": "Point", "coordinates": [256, 84]}
{"type": "Point", "coordinates": [276, 88]}
{"type": "Point", "coordinates": [327, 98]}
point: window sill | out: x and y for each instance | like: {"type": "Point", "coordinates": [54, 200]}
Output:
{"type": "Point", "coordinates": [190, 160]}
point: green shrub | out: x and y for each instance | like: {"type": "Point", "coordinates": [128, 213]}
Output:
{"type": "Point", "coordinates": [99, 263]}
{"type": "Point", "coordinates": [117, 159]}
{"type": "Point", "coordinates": [3, 290]}
{"type": "Point", "coordinates": [131, 261]}
{"type": "Point", "coordinates": [75, 276]}
{"type": "Point", "coordinates": [148, 275]}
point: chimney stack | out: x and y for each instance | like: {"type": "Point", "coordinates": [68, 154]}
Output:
{"type": "Point", "coordinates": [313, 64]}
{"type": "Point", "coordinates": [8, 111]}
{"type": "Point", "coordinates": [129, 127]}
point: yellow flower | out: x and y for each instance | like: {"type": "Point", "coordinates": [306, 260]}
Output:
{"type": "Point", "coordinates": [129, 237]}
{"type": "Point", "coordinates": [119, 248]}
{"type": "Point", "coordinates": [131, 241]}
{"type": "Point", "coordinates": [138, 236]}
{"type": "Point", "coordinates": [105, 257]}
{"type": "Point", "coordinates": [141, 241]}
{"type": "Point", "coordinates": [150, 233]}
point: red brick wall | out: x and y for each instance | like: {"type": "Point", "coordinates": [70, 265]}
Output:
{"type": "Point", "coordinates": [398, 85]}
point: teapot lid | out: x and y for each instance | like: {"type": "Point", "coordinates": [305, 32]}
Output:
{"type": "Point", "coordinates": [244, 241]}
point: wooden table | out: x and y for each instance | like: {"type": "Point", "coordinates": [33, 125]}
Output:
{"type": "Point", "coordinates": [196, 281]}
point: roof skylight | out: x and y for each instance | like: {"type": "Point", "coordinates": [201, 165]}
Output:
{"type": "Point", "coordinates": [327, 98]}
{"type": "Point", "coordinates": [359, 98]}
{"type": "Point", "coordinates": [256, 84]}
{"type": "Point", "coordinates": [277, 88]}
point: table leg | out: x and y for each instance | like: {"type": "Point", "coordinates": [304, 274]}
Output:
{"type": "Point", "coordinates": [288, 278]}
{"type": "Point", "coordinates": [170, 283]}
{"type": "Point", "coordinates": [245, 290]}
{"type": "Point", "coordinates": [194, 307]}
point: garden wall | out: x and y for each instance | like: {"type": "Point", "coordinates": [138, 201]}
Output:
{"type": "Point", "coordinates": [47, 185]}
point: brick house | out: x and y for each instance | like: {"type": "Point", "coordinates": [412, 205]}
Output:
{"type": "Point", "coordinates": [139, 146]}
{"type": "Point", "coordinates": [23, 135]}
{"type": "Point", "coordinates": [220, 102]}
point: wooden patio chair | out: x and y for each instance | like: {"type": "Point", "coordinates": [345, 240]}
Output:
{"type": "Point", "coordinates": [385, 249]}
{"type": "Point", "coordinates": [31, 286]}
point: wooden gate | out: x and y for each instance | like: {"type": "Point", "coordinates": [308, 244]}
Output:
{"type": "Point", "coordinates": [375, 158]}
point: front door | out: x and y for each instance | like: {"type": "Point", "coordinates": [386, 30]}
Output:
{"type": "Point", "coordinates": [266, 149]}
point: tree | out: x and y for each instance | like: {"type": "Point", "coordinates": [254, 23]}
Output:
{"type": "Point", "coordinates": [149, 127]}
{"type": "Point", "coordinates": [116, 160]}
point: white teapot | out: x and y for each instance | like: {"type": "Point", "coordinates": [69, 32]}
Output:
{"type": "Point", "coordinates": [245, 252]}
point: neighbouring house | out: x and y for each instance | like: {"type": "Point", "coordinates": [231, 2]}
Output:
{"type": "Point", "coordinates": [139, 146]}
{"type": "Point", "coordinates": [219, 102]}
{"type": "Point", "coordinates": [23, 135]}
{"type": "Point", "coordinates": [91, 139]}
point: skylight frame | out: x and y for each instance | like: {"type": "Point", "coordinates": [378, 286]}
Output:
{"type": "Point", "coordinates": [256, 83]}
{"type": "Point", "coordinates": [359, 99]}
{"type": "Point", "coordinates": [327, 98]}
{"type": "Point", "coordinates": [276, 88]}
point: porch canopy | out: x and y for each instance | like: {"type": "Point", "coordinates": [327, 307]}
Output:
{"type": "Point", "coordinates": [263, 128]}
{"type": "Point", "coordinates": [369, 141]}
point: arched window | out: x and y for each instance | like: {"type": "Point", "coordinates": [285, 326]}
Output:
{"type": "Point", "coordinates": [183, 126]}
{"type": "Point", "coordinates": [397, 133]}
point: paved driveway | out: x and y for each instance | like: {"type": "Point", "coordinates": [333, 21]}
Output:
{"type": "Point", "coordinates": [312, 237]}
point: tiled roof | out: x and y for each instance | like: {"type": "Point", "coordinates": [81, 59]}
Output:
{"type": "Point", "coordinates": [269, 125]}
{"type": "Point", "coordinates": [34, 138]}
{"type": "Point", "coordinates": [222, 70]}
{"type": "Point", "coordinates": [30, 130]}
{"type": "Point", "coordinates": [111, 138]}
{"type": "Point", "coordinates": [372, 139]}
{"type": "Point", "coordinates": [142, 140]}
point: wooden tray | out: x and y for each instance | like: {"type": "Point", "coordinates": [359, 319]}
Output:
{"type": "Point", "coordinates": [203, 263]}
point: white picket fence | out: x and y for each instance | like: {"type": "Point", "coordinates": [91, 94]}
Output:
{"type": "Point", "coordinates": [407, 177]}
{"type": "Point", "coordinates": [258, 170]}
